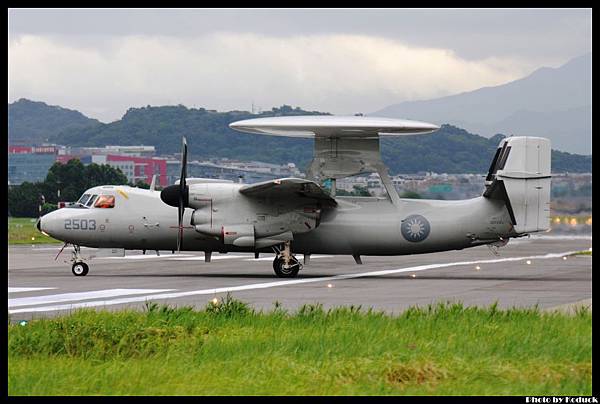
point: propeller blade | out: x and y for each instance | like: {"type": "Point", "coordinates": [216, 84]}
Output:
{"type": "Point", "coordinates": [182, 182]}
{"type": "Point", "coordinates": [182, 193]}
{"type": "Point", "coordinates": [180, 210]}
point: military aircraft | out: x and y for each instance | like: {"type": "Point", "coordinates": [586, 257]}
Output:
{"type": "Point", "coordinates": [290, 216]}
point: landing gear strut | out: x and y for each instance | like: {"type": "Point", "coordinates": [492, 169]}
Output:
{"type": "Point", "coordinates": [79, 267]}
{"type": "Point", "coordinates": [285, 264]}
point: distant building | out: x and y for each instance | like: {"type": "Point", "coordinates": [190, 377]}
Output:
{"type": "Point", "coordinates": [28, 167]}
{"type": "Point", "coordinates": [133, 151]}
{"type": "Point", "coordinates": [137, 168]}
{"type": "Point", "coordinates": [234, 170]}
{"type": "Point", "coordinates": [29, 163]}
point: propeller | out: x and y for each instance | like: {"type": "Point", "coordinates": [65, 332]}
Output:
{"type": "Point", "coordinates": [178, 195]}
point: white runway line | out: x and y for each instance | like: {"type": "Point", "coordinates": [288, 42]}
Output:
{"type": "Point", "coordinates": [18, 290]}
{"type": "Point", "coordinates": [67, 297]}
{"type": "Point", "coordinates": [559, 237]}
{"type": "Point", "coordinates": [281, 283]}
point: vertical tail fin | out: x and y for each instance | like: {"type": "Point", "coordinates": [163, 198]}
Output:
{"type": "Point", "coordinates": [520, 176]}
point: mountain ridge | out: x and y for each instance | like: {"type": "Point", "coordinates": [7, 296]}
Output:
{"type": "Point", "coordinates": [450, 149]}
{"type": "Point", "coordinates": [546, 90]}
{"type": "Point", "coordinates": [35, 121]}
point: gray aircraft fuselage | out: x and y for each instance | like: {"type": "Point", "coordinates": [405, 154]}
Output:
{"type": "Point", "coordinates": [357, 225]}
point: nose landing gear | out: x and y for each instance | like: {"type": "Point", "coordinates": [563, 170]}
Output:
{"type": "Point", "coordinates": [79, 267]}
{"type": "Point", "coordinates": [285, 264]}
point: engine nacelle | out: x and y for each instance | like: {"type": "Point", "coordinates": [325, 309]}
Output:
{"type": "Point", "coordinates": [241, 235]}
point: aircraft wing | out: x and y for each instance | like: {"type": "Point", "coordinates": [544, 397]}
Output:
{"type": "Point", "coordinates": [287, 188]}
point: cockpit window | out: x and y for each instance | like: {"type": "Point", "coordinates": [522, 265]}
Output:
{"type": "Point", "coordinates": [91, 201]}
{"type": "Point", "coordinates": [105, 201]}
{"type": "Point", "coordinates": [84, 198]}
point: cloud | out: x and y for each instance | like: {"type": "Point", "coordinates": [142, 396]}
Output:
{"type": "Point", "coordinates": [338, 73]}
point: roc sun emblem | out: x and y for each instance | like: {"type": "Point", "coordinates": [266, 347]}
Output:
{"type": "Point", "coordinates": [415, 228]}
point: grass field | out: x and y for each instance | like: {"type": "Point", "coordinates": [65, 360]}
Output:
{"type": "Point", "coordinates": [22, 230]}
{"type": "Point", "coordinates": [228, 349]}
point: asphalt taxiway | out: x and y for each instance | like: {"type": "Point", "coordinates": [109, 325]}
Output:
{"type": "Point", "coordinates": [526, 272]}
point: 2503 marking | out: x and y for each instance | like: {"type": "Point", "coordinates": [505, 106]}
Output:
{"type": "Point", "coordinates": [80, 224]}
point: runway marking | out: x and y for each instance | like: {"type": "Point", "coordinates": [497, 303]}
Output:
{"type": "Point", "coordinates": [18, 290]}
{"type": "Point", "coordinates": [281, 283]}
{"type": "Point", "coordinates": [560, 237]}
{"type": "Point", "coordinates": [58, 248]}
{"type": "Point", "coordinates": [66, 297]}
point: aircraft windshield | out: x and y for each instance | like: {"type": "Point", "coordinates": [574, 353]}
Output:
{"type": "Point", "coordinates": [84, 198]}
{"type": "Point", "coordinates": [91, 201]}
{"type": "Point", "coordinates": [105, 201]}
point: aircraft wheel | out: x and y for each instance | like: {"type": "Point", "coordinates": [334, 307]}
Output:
{"type": "Point", "coordinates": [80, 269]}
{"type": "Point", "coordinates": [290, 272]}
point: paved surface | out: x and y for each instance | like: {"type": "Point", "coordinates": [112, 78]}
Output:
{"type": "Point", "coordinates": [40, 286]}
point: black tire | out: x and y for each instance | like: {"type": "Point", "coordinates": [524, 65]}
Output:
{"type": "Point", "coordinates": [80, 269]}
{"type": "Point", "coordinates": [282, 272]}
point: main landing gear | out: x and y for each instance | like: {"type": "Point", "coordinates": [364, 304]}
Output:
{"type": "Point", "coordinates": [285, 264]}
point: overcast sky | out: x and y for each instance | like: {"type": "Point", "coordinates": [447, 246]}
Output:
{"type": "Point", "coordinates": [102, 62]}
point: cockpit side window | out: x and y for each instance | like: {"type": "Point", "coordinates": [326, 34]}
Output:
{"type": "Point", "coordinates": [105, 201]}
{"type": "Point", "coordinates": [84, 198]}
{"type": "Point", "coordinates": [91, 201]}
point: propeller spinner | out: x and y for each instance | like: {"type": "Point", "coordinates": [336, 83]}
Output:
{"type": "Point", "coordinates": [178, 195]}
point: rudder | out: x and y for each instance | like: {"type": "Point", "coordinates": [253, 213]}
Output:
{"type": "Point", "coordinates": [520, 175]}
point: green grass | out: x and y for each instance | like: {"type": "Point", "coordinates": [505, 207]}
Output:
{"type": "Point", "coordinates": [228, 349]}
{"type": "Point", "coordinates": [583, 252]}
{"type": "Point", "coordinates": [22, 230]}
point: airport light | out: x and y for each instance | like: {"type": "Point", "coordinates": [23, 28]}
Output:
{"type": "Point", "coordinates": [413, 276]}
{"type": "Point", "coordinates": [32, 238]}
{"type": "Point", "coordinates": [528, 262]}
{"type": "Point", "coordinates": [215, 301]}
{"type": "Point", "coordinates": [477, 268]}
{"type": "Point", "coordinates": [329, 285]}
{"type": "Point", "coordinates": [564, 258]}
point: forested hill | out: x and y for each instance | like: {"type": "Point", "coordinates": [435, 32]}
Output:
{"type": "Point", "coordinates": [207, 132]}
{"type": "Point", "coordinates": [450, 150]}
{"type": "Point", "coordinates": [31, 122]}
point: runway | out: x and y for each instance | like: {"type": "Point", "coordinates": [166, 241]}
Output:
{"type": "Point", "coordinates": [526, 272]}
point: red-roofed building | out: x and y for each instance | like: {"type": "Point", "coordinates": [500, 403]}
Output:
{"type": "Point", "coordinates": [137, 168]}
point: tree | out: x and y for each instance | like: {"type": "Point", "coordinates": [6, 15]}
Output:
{"type": "Point", "coordinates": [411, 195]}
{"type": "Point", "coordinates": [141, 184]}
{"type": "Point", "coordinates": [23, 200]}
{"type": "Point", "coordinates": [71, 179]}
{"type": "Point", "coordinates": [360, 190]}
